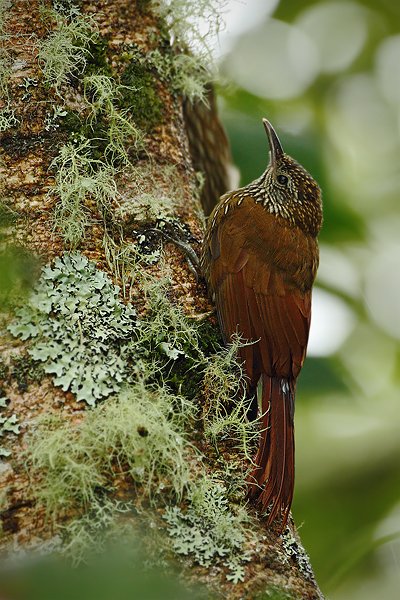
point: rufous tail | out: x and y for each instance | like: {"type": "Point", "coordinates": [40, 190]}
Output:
{"type": "Point", "coordinates": [271, 482]}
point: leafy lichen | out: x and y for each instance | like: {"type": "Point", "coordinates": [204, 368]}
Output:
{"type": "Point", "coordinates": [76, 323]}
{"type": "Point", "coordinates": [209, 531]}
{"type": "Point", "coordinates": [8, 118]}
{"type": "Point", "coordinates": [8, 424]}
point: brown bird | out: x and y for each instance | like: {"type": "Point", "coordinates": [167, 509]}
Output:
{"type": "Point", "coordinates": [260, 257]}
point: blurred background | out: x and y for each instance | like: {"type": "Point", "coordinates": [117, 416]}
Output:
{"type": "Point", "coordinates": [327, 74]}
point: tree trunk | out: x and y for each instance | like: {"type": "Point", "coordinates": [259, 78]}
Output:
{"type": "Point", "coordinates": [102, 142]}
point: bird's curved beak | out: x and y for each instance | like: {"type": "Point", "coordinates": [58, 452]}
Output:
{"type": "Point", "coordinates": [274, 144]}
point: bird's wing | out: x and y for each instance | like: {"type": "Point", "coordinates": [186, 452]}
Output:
{"type": "Point", "coordinates": [262, 286]}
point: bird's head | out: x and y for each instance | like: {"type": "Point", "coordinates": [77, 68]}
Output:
{"type": "Point", "coordinates": [288, 189]}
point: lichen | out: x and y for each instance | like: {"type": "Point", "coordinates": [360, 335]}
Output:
{"type": "Point", "coordinates": [183, 18]}
{"type": "Point", "coordinates": [103, 96]}
{"type": "Point", "coordinates": [208, 530]}
{"type": "Point", "coordinates": [227, 404]}
{"type": "Point", "coordinates": [140, 434]}
{"type": "Point", "coordinates": [8, 118]}
{"type": "Point", "coordinates": [63, 54]}
{"type": "Point", "coordinates": [292, 550]}
{"type": "Point", "coordinates": [78, 177]}
{"type": "Point", "coordinates": [184, 73]}
{"type": "Point", "coordinates": [77, 326]}
{"type": "Point", "coordinates": [8, 424]}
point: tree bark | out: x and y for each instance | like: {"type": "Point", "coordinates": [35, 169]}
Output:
{"type": "Point", "coordinates": [41, 118]}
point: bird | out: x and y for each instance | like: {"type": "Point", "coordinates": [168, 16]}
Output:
{"type": "Point", "coordinates": [259, 258]}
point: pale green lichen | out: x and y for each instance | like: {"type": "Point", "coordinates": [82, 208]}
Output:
{"type": "Point", "coordinates": [8, 119]}
{"type": "Point", "coordinates": [102, 95]}
{"type": "Point", "coordinates": [63, 54]}
{"type": "Point", "coordinates": [184, 19]}
{"type": "Point", "coordinates": [53, 116]}
{"type": "Point", "coordinates": [77, 326]}
{"type": "Point", "coordinates": [7, 113]}
{"type": "Point", "coordinates": [165, 332]}
{"type": "Point", "coordinates": [227, 404]}
{"type": "Point", "coordinates": [78, 177]}
{"type": "Point", "coordinates": [208, 531]}
{"type": "Point", "coordinates": [8, 424]}
{"type": "Point", "coordinates": [184, 73]}
{"type": "Point", "coordinates": [96, 530]}
{"type": "Point", "coordinates": [293, 551]}
{"type": "Point", "coordinates": [140, 433]}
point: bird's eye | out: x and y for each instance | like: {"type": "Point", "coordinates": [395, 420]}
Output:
{"type": "Point", "coordinates": [282, 179]}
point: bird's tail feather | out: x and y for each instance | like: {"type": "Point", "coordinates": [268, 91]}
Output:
{"type": "Point", "coordinates": [271, 482]}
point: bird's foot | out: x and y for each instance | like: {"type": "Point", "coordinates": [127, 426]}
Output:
{"type": "Point", "coordinates": [176, 234]}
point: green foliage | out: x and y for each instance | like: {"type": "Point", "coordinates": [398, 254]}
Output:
{"type": "Point", "coordinates": [329, 124]}
{"type": "Point", "coordinates": [140, 434]}
{"type": "Point", "coordinates": [78, 177]}
{"type": "Point", "coordinates": [76, 323]}
{"type": "Point", "coordinates": [120, 573]}
{"type": "Point", "coordinates": [7, 425]}
{"type": "Point", "coordinates": [64, 52]}
{"type": "Point", "coordinates": [18, 267]}
{"type": "Point", "coordinates": [209, 531]}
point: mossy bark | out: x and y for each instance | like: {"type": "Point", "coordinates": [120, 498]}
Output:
{"type": "Point", "coordinates": [27, 151]}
